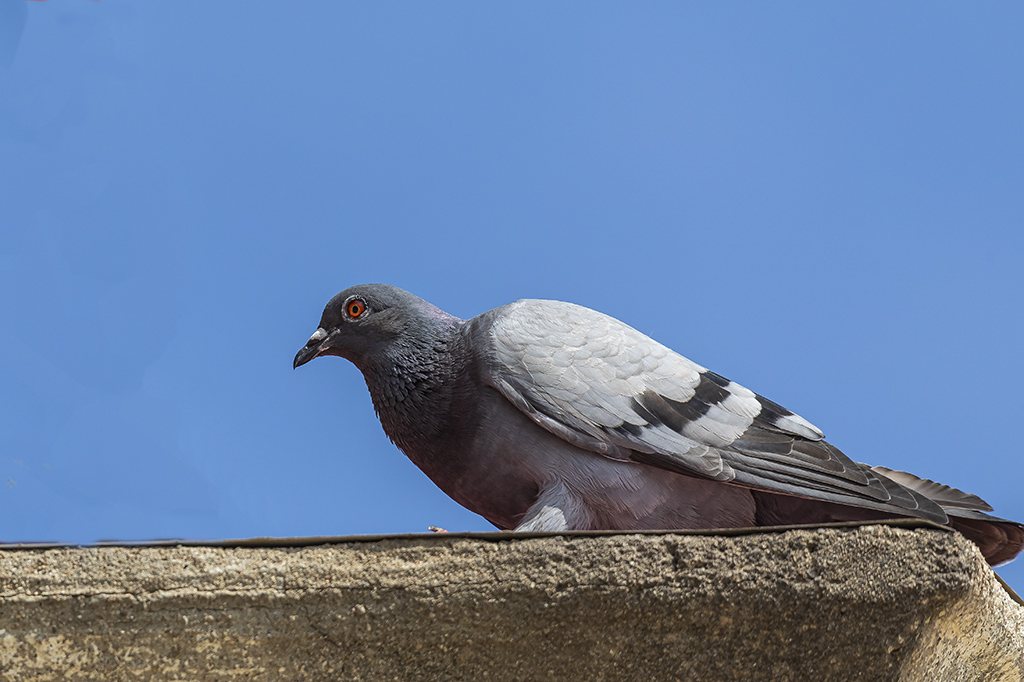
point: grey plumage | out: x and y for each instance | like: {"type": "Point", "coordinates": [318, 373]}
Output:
{"type": "Point", "coordinates": [544, 415]}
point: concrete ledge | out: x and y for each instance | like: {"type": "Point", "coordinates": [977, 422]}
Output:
{"type": "Point", "coordinates": [866, 603]}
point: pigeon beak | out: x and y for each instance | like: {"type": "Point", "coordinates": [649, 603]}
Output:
{"type": "Point", "coordinates": [312, 349]}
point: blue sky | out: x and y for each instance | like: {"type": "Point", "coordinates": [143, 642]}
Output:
{"type": "Point", "coordinates": [821, 201]}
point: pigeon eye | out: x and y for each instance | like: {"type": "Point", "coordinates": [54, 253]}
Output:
{"type": "Point", "coordinates": [355, 308]}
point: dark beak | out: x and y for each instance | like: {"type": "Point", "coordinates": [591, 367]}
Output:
{"type": "Point", "coordinates": [312, 349]}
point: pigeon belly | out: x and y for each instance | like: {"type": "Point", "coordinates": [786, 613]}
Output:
{"type": "Point", "coordinates": [513, 461]}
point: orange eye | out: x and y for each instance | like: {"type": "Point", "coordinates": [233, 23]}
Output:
{"type": "Point", "coordinates": [355, 308]}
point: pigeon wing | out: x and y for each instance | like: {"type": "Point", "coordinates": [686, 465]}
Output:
{"type": "Point", "coordinates": [605, 387]}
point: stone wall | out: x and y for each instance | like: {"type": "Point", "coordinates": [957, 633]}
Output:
{"type": "Point", "coordinates": [879, 602]}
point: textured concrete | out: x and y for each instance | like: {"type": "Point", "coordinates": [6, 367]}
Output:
{"type": "Point", "coordinates": [867, 603]}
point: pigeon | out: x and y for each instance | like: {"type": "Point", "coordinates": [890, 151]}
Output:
{"type": "Point", "coordinates": [543, 415]}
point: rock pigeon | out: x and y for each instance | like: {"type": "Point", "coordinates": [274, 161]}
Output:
{"type": "Point", "coordinates": [548, 416]}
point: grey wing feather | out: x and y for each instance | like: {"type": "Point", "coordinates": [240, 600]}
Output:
{"type": "Point", "coordinates": [948, 497]}
{"type": "Point", "coordinates": [607, 388]}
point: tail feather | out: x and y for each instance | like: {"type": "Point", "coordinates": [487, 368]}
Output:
{"type": "Point", "coordinates": [998, 539]}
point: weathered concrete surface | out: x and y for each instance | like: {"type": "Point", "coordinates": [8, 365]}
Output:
{"type": "Point", "coordinates": [868, 603]}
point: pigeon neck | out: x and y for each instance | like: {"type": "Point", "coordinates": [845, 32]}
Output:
{"type": "Point", "coordinates": [414, 387]}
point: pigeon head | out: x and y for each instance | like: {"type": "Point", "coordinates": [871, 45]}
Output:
{"type": "Point", "coordinates": [368, 322]}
